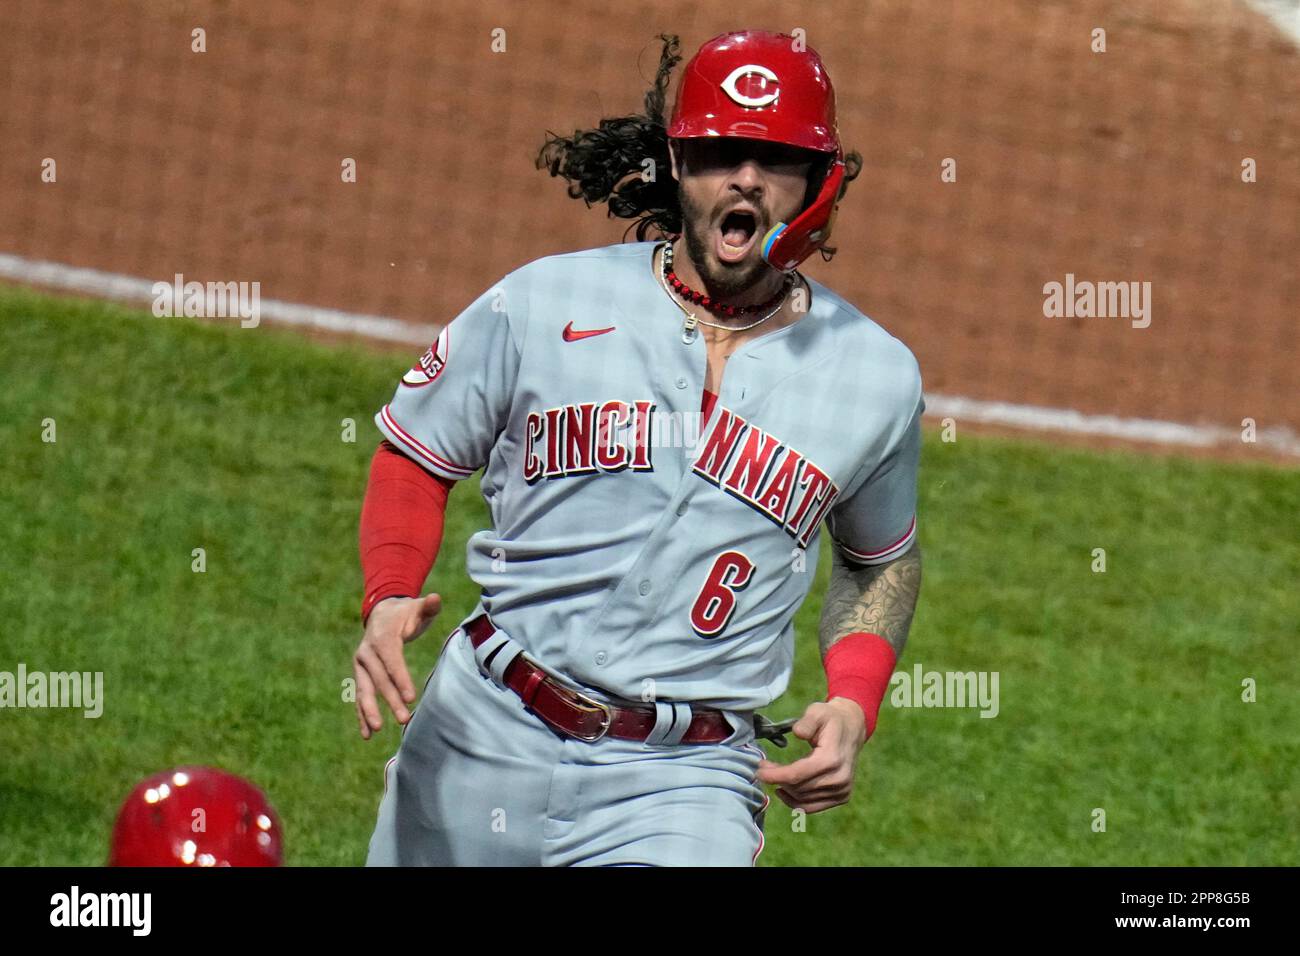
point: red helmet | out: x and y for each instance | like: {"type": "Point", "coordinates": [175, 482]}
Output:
{"type": "Point", "coordinates": [196, 816]}
{"type": "Point", "coordinates": [768, 86]}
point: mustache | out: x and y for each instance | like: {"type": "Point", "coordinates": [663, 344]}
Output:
{"type": "Point", "coordinates": [693, 212]}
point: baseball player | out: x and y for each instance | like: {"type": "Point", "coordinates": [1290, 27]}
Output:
{"type": "Point", "coordinates": [664, 427]}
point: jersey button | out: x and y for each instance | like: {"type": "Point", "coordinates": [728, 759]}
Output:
{"type": "Point", "coordinates": [601, 657]}
{"type": "Point", "coordinates": [681, 382]}
{"type": "Point", "coordinates": [643, 588]}
{"type": "Point", "coordinates": [681, 509]}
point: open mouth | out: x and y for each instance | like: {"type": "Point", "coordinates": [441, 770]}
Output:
{"type": "Point", "coordinates": [736, 234]}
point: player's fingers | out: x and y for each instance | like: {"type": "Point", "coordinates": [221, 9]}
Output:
{"type": "Point", "coordinates": [811, 723]}
{"type": "Point", "coordinates": [817, 797]}
{"type": "Point", "coordinates": [383, 684]}
{"type": "Point", "coordinates": [367, 708]}
{"type": "Point", "coordinates": [792, 774]}
{"type": "Point", "coordinates": [361, 722]}
{"type": "Point", "coordinates": [429, 607]}
{"type": "Point", "coordinates": [806, 778]}
{"type": "Point", "coordinates": [811, 795]}
{"type": "Point", "coordinates": [769, 771]}
{"type": "Point", "coordinates": [786, 798]}
{"type": "Point", "coordinates": [780, 774]}
{"type": "Point", "coordinates": [834, 781]}
{"type": "Point", "coordinates": [356, 704]}
{"type": "Point", "coordinates": [394, 662]}
{"type": "Point", "coordinates": [817, 806]}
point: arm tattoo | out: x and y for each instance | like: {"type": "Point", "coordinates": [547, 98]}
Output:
{"type": "Point", "coordinates": [879, 599]}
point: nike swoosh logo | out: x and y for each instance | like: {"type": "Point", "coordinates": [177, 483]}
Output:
{"type": "Point", "coordinates": [572, 335]}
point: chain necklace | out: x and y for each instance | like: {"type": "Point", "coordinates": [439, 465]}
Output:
{"type": "Point", "coordinates": [689, 327]}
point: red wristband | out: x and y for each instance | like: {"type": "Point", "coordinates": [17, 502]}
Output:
{"type": "Point", "coordinates": [858, 666]}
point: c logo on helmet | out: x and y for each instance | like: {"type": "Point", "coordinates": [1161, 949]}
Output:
{"type": "Point", "coordinates": [766, 78]}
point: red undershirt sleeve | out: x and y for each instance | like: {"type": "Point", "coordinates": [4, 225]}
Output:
{"type": "Point", "coordinates": [401, 526]}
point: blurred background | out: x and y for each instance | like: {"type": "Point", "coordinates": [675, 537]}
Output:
{"type": "Point", "coordinates": [1171, 157]}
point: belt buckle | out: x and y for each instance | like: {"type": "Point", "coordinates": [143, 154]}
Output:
{"type": "Point", "coordinates": [591, 705]}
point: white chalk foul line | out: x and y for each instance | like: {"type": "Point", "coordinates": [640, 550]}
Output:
{"type": "Point", "coordinates": [1149, 430]}
{"type": "Point", "coordinates": [108, 285]}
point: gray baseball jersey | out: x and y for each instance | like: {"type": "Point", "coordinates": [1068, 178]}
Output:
{"type": "Point", "coordinates": [636, 547]}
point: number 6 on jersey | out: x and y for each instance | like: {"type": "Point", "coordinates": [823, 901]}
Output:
{"type": "Point", "coordinates": [716, 602]}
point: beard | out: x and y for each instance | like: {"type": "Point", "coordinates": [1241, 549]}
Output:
{"type": "Point", "coordinates": [722, 280]}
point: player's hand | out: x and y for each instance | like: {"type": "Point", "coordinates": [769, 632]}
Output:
{"type": "Point", "coordinates": [837, 730]}
{"type": "Point", "coordinates": [379, 663]}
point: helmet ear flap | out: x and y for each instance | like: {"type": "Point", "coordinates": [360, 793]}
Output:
{"type": "Point", "coordinates": [787, 245]}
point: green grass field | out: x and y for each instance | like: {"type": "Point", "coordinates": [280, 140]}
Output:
{"type": "Point", "coordinates": [1119, 690]}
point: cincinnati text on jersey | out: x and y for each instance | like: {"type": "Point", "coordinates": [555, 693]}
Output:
{"type": "Point", "coordinates": [587, 438]}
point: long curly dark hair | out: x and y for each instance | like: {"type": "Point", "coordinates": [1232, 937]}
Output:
{"type": "Point", "coordinates": [606, 164]}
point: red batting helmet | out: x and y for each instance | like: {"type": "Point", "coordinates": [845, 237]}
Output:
{"type": "Point", "coordinates": [768, 86]}
{"type": "Point", "coordinates": [196, 816]}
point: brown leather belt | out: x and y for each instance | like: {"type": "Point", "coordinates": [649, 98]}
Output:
{"type": "Point", "coordinates": [586, 718]}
